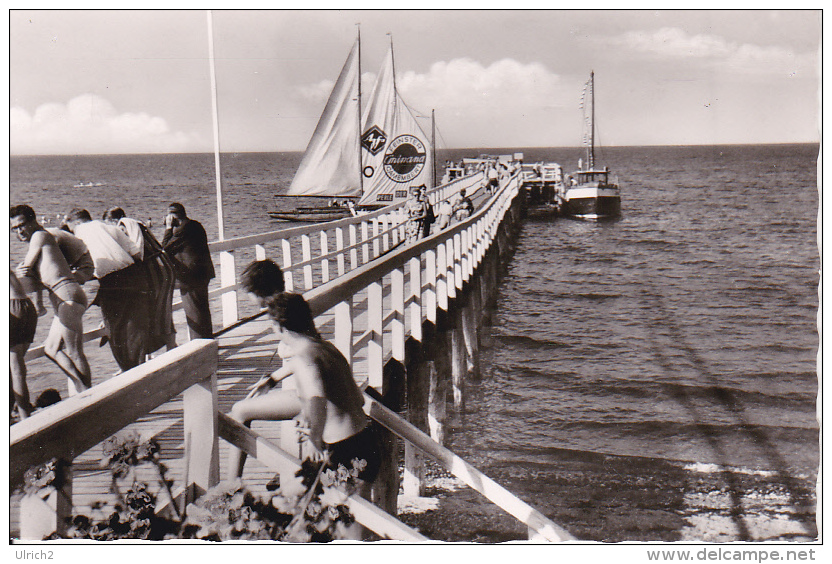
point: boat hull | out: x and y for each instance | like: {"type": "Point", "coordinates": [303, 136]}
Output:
{"type": "Point", "coordinates": [592, 203]}
{"type": "Point", "coordinates": [311, 215]}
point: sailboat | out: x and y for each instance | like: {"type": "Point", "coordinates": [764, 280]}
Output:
{"type": "Point", "coordinates": [589, 194]}
{"type": "Point", "coordinates": [360, 161]}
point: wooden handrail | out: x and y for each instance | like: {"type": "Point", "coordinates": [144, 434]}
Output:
{"type": "Point", "coordinates": [80, 422]}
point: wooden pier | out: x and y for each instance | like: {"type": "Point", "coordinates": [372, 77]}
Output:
{"type": "Point", "coordinates": [406, 316]}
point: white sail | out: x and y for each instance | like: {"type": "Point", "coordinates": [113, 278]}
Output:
{"type": "Point", "coordinates": [396, 153]}
{"type": "Point", "coordinates": [330, 164]}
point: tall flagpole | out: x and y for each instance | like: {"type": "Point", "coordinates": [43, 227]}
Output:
{"type": "Point", "coordinates": [220, 222]}
{"type": "Point", "coordinates": [227, 268]}
{"type": "Point", "coordinates": [360, 127]}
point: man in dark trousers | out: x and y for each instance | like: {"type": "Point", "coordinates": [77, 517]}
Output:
{"type": "Point", "coordinates": [186, 243]}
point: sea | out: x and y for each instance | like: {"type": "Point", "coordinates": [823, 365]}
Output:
{"type": "Point", "coordinates": [626, 363]}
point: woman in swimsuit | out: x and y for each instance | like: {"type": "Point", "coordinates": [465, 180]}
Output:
{"type": "Point", "coordinates": [331, 403]}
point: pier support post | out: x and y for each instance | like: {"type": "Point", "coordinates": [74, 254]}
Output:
{"type": "Point", "coordinates": [437, 397]}
{"type": "Point", "coordinates": [458, 362]}
{"type": "Point", "coordinates": [413, 477]}
{"type": "Point", "coordinates": [469, 333]}
{"type": "Point", "coordinates": [46, 512]}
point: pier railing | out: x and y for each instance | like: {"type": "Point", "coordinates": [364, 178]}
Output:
{"type": "Point", "coordinates": [309, 255]}
{"type": "Point", "coordinates": [372, 309]}
{"type": "Point", "coordinates": [82, 421]}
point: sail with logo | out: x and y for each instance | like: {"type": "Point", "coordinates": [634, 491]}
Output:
{"type": "Point", "coordinates": [370, 167]}
{"type": "Point", "coordinates": [396, 152]}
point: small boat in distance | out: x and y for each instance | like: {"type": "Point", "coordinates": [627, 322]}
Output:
{"type": "Point", "coordinates": [88, 185]}
{"type": "Point", "coordinates": [589, 194]}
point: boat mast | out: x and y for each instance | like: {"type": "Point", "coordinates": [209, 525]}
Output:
{"type": "Point", "coordinates": [592, 120]}
{"type": "Point", "coordinates": [220, 222]}
{"type": "Point", "coordinates": [393, 65]}
{"type": "Point", "coordinates": [360, 132]}
{"type": "Point", "coordinates": [433, 146]}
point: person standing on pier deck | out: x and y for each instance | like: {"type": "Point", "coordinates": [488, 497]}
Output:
{"type": "Point", "coordinates": [123, 292]}
{"type": "Point", "coordinates": [23, 320]}
{"type": "Point", "coordinates": [45, 266]}
{"type": "Point", "coordinates": [186, 243]}
{"type": "Point", "coordinates": [416, 213]}
{"type": "Point", "coordinates": [160, 276]}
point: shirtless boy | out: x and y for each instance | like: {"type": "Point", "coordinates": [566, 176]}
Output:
{"type": "Point", "coordinates": [45, 266]}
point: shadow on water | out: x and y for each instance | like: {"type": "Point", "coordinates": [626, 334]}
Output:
{"type": "Point", "coordinates": [801, 500]}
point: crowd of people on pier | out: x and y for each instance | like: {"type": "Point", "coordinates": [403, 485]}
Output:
{"type": "Point", "coordinates": [136, 276]}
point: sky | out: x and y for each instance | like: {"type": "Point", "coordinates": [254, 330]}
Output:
{"type": "Point", "coordinates": [93, 81]}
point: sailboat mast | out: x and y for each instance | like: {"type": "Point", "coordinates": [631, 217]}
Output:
{"type": "Point", "coordinates": [393, 65]}
{"type": "Point", "coordinates": [360, 132]}
{"type": "Point", "coordinates": [433, 147]}
{"type": "Point", "coordinates": [592, 121]}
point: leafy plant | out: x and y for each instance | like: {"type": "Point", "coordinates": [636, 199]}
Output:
{"type": "Point", "coordinates": [306, 508]}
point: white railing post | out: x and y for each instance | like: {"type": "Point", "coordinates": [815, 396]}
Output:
{"type": "Point", "coordinates": [464, 259]}
{"type": "Point", "coordinates": [430, 291]}
{"type": "Point", "coordinates": [353, 247]}
{"type": "Point", "coordinates": [324, 262]}
{"type": "Point", "coordinates": [375, 326]}
{"type": "Point", "coordinates": [450, 246]}
{"type": "Point", "coordinates": [201, 431]}
{"type": "Point", "coordinates": [397, 306]}
{"type": "Point", "coordinates": [259, 252]}
{"type": "Point", "coordinates": [343, 329]}
{"type": "Point", "coordinates": [228, 277]}
{"type": "Point", "coordinates": [287, 265]}
{"type": "Point", "coordinates": [376, 242]}
{"type": "Point", "coordinates": [47, 511]}
{"type": "Point", "coordinates": [416, 298]}
{"type": "Point", "coordinates": [306, 257]}
{"type": "Point", "coordinates": [339, 246]}
{"type": "Point", "coordinates": [442, 277]}
{"type": "Point", "coordinates": [457, 261]}
{"type": "Point", "coordinates": [365, 236]}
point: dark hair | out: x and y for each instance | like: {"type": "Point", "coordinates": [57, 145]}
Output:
{"type": "Point", "coordinates": [263, 278]}
{"type": "Point", "coordinates": [292, 312]}
{"type": "Point", "coordinates": [113, 214]}
{"type": "Point", "coordinates": [177, 209]}
{"type": "Point", "coordinates": [26, 211]}
{"type": "Point", "coordinates": [78, 213]}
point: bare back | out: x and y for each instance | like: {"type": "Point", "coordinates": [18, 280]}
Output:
{"type": "Point", "coordinates": [46, 257]}
{"type": "Point", "coordinates": [322, 371]}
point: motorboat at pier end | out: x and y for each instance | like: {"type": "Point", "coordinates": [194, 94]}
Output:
{"type": "Point", "coordinates": [589, 194]}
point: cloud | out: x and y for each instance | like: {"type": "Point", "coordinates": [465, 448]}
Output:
{"type": "Point", "coordinates": [486, 102]}
{"type": "Point", "coordinates": [671, 43]}
{"type": "Point", "coordinates": [91, 124]}
{"type": "Point", "coordinates": [465, 84]}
